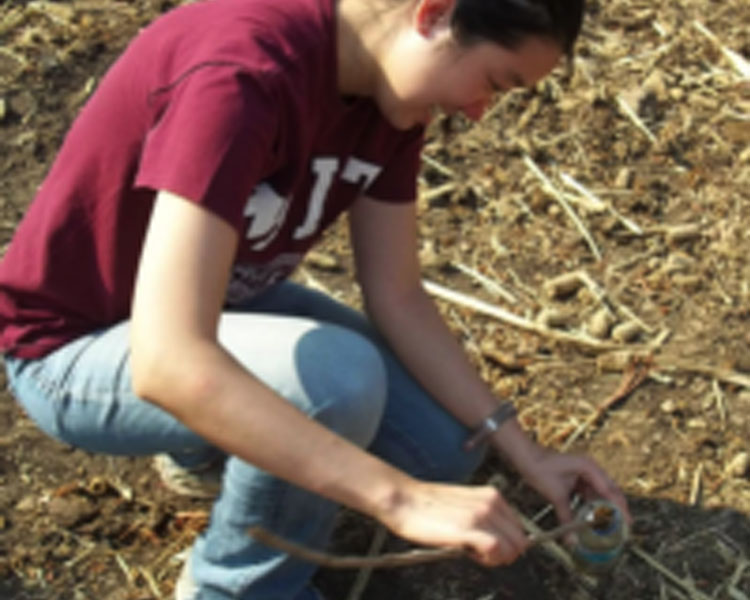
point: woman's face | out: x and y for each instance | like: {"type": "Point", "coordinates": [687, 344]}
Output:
{"type": "Point", "coordinates": [427, 71]}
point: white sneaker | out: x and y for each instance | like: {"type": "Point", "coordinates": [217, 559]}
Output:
{"type": "Point", "coordinates": [203, 482]}
{"type": "Point", "coordinates": [185, 588]}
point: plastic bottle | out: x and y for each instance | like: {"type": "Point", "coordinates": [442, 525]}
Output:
{"type": "Point", "coordinates": [598, 547]}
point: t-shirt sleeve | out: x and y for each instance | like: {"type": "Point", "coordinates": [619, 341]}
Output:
{"type": "Point", "coordinates": [212, 141]}
{"type": "Point", "coordinates": [397, 182]}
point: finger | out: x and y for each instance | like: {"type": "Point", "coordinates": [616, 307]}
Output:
{"type": "Point", "coordinates": [564, 515]}
{"type": "Point", "coordinates": [500, 538]}
{"type": "Point", "coordinates": [604, 486]}
{"type": "Point", "coordinates": [503, 522]}
{"type": "Point", "coordinates": [492, 548]}
{"type": "Point", "coordinates": [511, 531]}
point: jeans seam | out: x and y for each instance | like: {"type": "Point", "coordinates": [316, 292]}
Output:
{"type": "Point", "coordinates": [57, 389]}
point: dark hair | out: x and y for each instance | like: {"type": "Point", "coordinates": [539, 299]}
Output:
{"type": "Point", "coordinates": [508, 22]}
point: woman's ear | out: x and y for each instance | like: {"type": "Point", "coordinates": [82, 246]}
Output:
{"type": "Point", "coordinates": [431, 14]}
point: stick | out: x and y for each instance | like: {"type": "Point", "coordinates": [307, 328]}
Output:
{"type": "Point", "coordinates": [520, 322]}
{"type": "Point", "coordinates": [738, 61]}
{"type": "Point", "coordinates": [720, 402]}
{"type": "Point", "coordinates": [151, 582]}
{"type": "Point", "coordinates": [550, 188]}
{"type": "Point", "coordinates": [633, 116]}
{"type": "Point", "coordinates": [438, 191]}
{"type": "Point", "coordinates": [599, 203]}
{"type": "Point", "coordinates": [606, 300]}
{"type": "Point", "coordinates": [631, 380]}
{"type": "Point", "coordinates": [557, 552]}
{"type": "Point", "coordinates": [125, 568]}
{"type": "Point", "coordinates": [393, 559]}
{"type": "Point", "coordinates": [687, 586]}
{"type": "Point", "coordinates": [720, 373]}
{"type": "Point", "coordinates": [492, 286]}
{"type": "Point", "coordinates": [438, 166]}
{"type": "Point", "coordinates": [363, 575]}
{"type": "Point", "coordinates": [323, 559]}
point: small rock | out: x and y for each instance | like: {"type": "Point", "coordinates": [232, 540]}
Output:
{"type": "Point", "coordinates": [687, 283]}
{"type": "Point", "coordinates": [683, 233]}
{"type": "Point", "coordinates": [428, 256]}
{"type": "Point", "coordinates": [738, 466]}
{"type": "Point", "coordinates": [3, 109]}
{"type": "Point", "coordinates": [323, 261]}
{"type": "Point", "coordinates": [624, 178]}
{"type": "Point", "coordinates": [551, 316]}
{"type": "Point", "coordinates": [63, 551]}
{"type": "Point", "coordinates": [562, 285]}
{"type": "Point", "coordinates": [677, 94]}
{"type": "Point", "coordinates": [678, 262]}
{"type": "Point", "coordinates": [27, 504]}
{"type": "Point", "coordinates": [668, 406]}
{"type": "Point", "coordinates": [71, 510]}
{"type": "Point", "coordinates": [654, 84]}
{"type": "Point", "coordinates": [600, 324]}
{"type": "Point", "coordinates": [627, 331]}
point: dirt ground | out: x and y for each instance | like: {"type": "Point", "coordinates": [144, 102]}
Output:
{"type": "Point", "coordinates": [601, 222]}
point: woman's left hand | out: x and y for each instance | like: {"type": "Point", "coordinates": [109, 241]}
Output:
{"type": "Point", "coordinates": [558, 476]}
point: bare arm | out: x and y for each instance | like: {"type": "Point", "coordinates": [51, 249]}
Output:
{"type": "Point", "coordinates": [385, 243]}
{"type": "Point", "coordinates": [385, 240]}
{"type": "Point", "coordinates": [179, 365]}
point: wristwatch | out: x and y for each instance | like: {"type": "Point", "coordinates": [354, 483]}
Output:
{"type": "Point", "coordinates": [490, 424]}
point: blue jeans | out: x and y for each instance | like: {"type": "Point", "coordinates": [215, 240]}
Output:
{"type": "Point", "coordinates": [320, 355]}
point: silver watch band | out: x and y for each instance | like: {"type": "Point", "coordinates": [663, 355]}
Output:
{"type": "Point", "coordinates": [490, 424]}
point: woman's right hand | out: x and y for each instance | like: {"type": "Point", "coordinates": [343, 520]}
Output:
{"type": "Point", "coordinates": [477, 519]}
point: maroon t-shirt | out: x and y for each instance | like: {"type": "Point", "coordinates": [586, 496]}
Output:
{"type": "Point", "coordinates": [232, 104]}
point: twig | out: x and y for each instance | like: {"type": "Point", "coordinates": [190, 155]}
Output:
{"type": "Point", "coordinates": [606, 299]}
{"type": "Point", "coordinates": [529, 291]}
{"type": "Point", "coordinates": [598, 202]}
{"type": "Point", "coordinates": [313, 282]}
{"type": "Point", "coordinates": [601, 296]}
{"type": "Point", "coordinates": [125, 568]}
{"type": "Point", "coordinates": [551, 189]}
{"type": "Point", "coordinates": [438, 191]}
{"type": "Point", "coordinates": [696, 487]}
{"type": "Point", "coordinates": [720, 373]}
{"type": "Point", "coordinates": [633, 116]}
{"type": "Point", "coordinates": [394, 559]}
{"type": "Point", "coordinates": [492, 286]}
{"type": "Point", "coordinates": [739, 63]}
{"type": "Point", "coordinates": [721, 405]}
{"type": "Point", "coordinates": [510, 318]}
{"type": "Point", "coordinates": [632, 378]}
{"type": "Point", "coordinates": [742, 565]}
{"type": "Point", "coordinates": [687, 586]}
{"type": "Point", "coordinates": [363, 575]}
{"type": "Point", "coordinates": [80, 556]}
{"type": "Point", "coordinates": [151, 582]}
{"type": "Point", "coordinates": [438, 166]}
{"type": "Point", "coordinates": [557, 552]}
